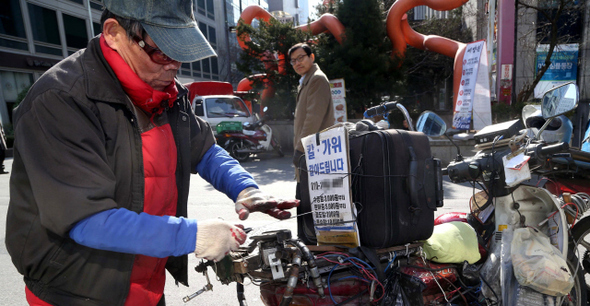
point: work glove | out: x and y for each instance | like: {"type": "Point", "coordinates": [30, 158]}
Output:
{"type": "Point", "coordinates": [252, 199]}
{"type": "Point", "coordinates": [216, 238]}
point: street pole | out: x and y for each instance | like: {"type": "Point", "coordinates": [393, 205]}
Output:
{"type": "Point", "coordinates": [506, 26]}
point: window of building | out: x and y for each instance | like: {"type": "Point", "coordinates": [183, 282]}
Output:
{"type": "Point", "coordinates": [13, 83]}
{"type": "Point", "coordinates": [45, 30]}
{"type": "Point", "coordinates": [97, 28]}
{"type": "Point", "coordinates": [212, 38]}
{"type": "Point", "coordinates": [201, 7]}
{"type": "Point", "coordinates": [12, 27]}
{"type": "Point", "coordinates": [76, 33]}
{"type": "Point", "coordinates": [196, 69]}
{"type": "Point", "coordinates": [206, 65]}
{"type": "Point", "coordinates": [210, 9]}
{"type": "Point", "coordinates": [296, 3]}
{"type": "Point", "coordinates": [206, 8]}
{"type": "Point", "coordinates": [96, 4]}
{"type": "Point", "coordinates": [78, 1]}
{"type": "Point", "coordinates": [185, 69]}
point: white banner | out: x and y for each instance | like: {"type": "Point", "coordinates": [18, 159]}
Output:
{"type": "Point", "coordinates": [329, 187]}
{"type": "Point", "coordinates": [473, 97]}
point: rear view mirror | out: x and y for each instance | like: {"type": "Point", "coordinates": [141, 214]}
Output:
{"type": "Point", "coordinates": [559, 100]}
{"type": "Point", "coordinates": [431, 124]}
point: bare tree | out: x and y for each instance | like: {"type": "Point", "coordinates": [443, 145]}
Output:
{"type": "Point", "coordinates": [552, 22]}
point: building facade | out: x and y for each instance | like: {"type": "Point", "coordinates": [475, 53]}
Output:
{"type": "Point", "coordinates": [37, 34]}
{"type": "Point", "coordinates": [297, 9]}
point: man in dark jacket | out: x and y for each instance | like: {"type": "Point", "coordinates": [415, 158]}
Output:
{"type": "Point", "coordinates": [105, 143]}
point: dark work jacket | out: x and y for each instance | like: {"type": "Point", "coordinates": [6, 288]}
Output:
{"type": "Point", "coordinates": [77, 152]}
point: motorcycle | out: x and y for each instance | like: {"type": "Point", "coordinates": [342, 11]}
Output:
{"type": "Point", "coordinates": [571, 184]}
{"type": "Point", "coordinates": [289, 272]}
{"type": "Point", "coordinates": [508, 203]}
{"type": "Point", "coordinates": [250, 139]}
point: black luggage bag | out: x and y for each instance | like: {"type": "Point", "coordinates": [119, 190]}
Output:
{"type": "Point", "coordinates": [396, 187]}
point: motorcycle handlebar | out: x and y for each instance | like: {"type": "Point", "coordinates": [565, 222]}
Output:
{"type": "Point", "coordinates": [554, 149]}
{"type": "Point", "coordinates": [379, 109]}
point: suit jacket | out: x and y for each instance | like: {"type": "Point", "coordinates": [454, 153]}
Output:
{"type": "Point", "coordinates": [315, 109]}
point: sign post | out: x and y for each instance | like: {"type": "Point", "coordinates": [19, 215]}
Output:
{"type": "Point", "coordinates": [338, 90]}
{"type": "Point", "coordinates": [334, 216]}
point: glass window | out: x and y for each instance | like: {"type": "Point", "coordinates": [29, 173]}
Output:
{"type": "Point", "coordinates": [76, 34]}
{"type": "Point", "coordinates": [214, 65]}
{"type": "Point", "coordinates": [212, 37]}
{"type": "Point", "coordinates": [203, 28]}
{"type": "Point", "coordinates": [201, 6]}
{"type": "Point", "coordinates": [13, 83]}
{"type": "Point", "coordinates": [206, 68]}
{"type": "Point", "coordinates": [11, 19]}
{"type": "Point", "coordinates": [196, 69]}
{"type": "Point", "coordinates": [210, 9]}
{"type": "Point", "coordinates": [226, 107]}
{"type": "Point", "coordinates": [97, 28]}
{"type": "Point", "coordinates": [78, 1]}
{"type": "Point", "coordinates": [44, 24]}
{"type": "Point", "coordinates": [13, 44]}
{"type": "Point", "coordinates": [96, 4]}
{"type": "Point", "coordinates": [48, 50]}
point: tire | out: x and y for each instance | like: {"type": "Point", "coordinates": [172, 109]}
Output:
{"type": "Point", "coordinates": [581, 234]}
{"type": "Point", "coordinates": [277, 147]}
{"type": "Point", "coordinates": [233, 148]}
{"type": "Point", "coordinates": [579, 294]}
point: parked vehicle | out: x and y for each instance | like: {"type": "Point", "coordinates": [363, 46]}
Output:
{"type": "Point", "coordinates": [508, 205]}
{"type": "Point", "coordinates": [216, 102]}
{"type": "Point", "coordinates": [248, 139]}
{"type": "Point", "coordinates": [290, 272]}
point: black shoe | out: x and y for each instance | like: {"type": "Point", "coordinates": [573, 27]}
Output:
{"type": "Point", "coordinates": [4, 172]}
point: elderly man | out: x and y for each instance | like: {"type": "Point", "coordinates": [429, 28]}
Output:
{"type": "Point", "coordinates": [105, 143]}
{"type": "Point", "coordinates": [314, 112]}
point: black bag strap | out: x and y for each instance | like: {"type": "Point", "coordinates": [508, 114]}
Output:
{"type": "Point", "coordinates": [414, 183]}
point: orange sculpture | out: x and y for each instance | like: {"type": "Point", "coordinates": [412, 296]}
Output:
{"type": "Point", "coordinates": [398, 30]}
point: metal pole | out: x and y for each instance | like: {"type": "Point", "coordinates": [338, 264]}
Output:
{"type": "Point", "coordinates": [90, 16]}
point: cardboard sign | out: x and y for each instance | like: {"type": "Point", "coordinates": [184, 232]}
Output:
{"type": "Point", "coordinates": [334, 215]}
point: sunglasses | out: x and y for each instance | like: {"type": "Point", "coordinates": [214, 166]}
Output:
{"type": "Point", "coordinates": [155, 54]}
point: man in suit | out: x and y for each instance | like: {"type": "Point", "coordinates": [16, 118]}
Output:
{"type": "Point", "coordinates": [313, 113]}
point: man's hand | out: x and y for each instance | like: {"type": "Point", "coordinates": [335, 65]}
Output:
{"type": "Point", "coordinates": [216, 238]}
{"type": "Point", "coordinates": [252, 199]}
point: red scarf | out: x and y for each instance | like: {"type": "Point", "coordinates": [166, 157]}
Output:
{"type": "Point", "coordinates": [141, 94]}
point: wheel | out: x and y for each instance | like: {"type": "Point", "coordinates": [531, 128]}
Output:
{"type": "Point", "coordinates": [275, 145]}
{"type": "Point", "coordinates": [233, 148]}
{"type": "Point", "coordinates": [581, 235]}
{"type": "Point", "coordinates": [579, 294]}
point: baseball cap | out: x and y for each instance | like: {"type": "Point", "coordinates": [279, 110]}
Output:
{"type": "Point", "coordinates": [170, 23]}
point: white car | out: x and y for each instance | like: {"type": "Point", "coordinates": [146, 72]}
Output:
{"type": "Point", "coordinates": [217, 108]}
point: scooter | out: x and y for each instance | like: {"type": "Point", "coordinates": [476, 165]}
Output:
{"type": "Point", "coordinates": [288, 272]}
{"type": "Point", "coordinates": [570, 184]}
{"type": "Point", "coordinates": [508, 204]}
{"type": "Point", "coordinates": [251, 139]}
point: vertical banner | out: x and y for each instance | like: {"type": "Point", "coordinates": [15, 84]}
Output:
{"type": "Point", "coordinates": [563, 68]}
{"type": "Point", "coordinates": [339, 97]}
{"type": "Point", "coordinates": [482, 104]}
{"type": "Point", "coordinates": [473, 64]}
{"type": "Point", "coordinates": [334, 216]}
